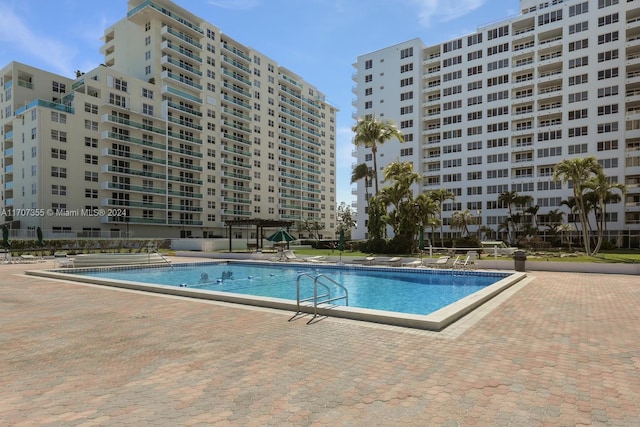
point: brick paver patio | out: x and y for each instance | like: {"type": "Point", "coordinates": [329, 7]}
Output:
{"type": "Point", "coordinates": [562, 350]}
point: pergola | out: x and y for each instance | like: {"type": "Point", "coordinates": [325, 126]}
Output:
{"type": "Point", "coordinates": [260, 224]}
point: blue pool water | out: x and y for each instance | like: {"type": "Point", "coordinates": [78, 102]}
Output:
{"type": "Point", "coordinates": [397, 290]}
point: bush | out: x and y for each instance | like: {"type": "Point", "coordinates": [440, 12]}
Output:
{"type": "Point", "coordinates": [467, 242]}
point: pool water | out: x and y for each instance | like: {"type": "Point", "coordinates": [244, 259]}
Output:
{"type": "Point", "coordinates": [388, 289]}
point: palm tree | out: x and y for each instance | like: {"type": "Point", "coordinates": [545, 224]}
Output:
{"type": "Point", "coordinates": [602, 192]}
{"type": "Point", "coordinates": [427, 209]}
{"type": "Point", "coordinates": [440, 196]}
{"type": "Point", "coordinates": [370, 133]}
{"type": "Point", "coordinates": [508, 198]}
{"type": "Point", "coordinates": [399, 193]}
{"type": "Point", "coordinates": [578, 171]}
{"type": "Point", "coordinates": [362, 171]}
{"type": "Point", "coordinates": [460, 220]}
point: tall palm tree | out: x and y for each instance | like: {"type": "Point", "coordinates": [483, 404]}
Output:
{"type": "Point", "coordinates": [370, 133]}
{"type": "Point", "coordinates": [362, 171]}
{"type": "Point", "coordinates": [602, 191]}
{"type": "Point", "coordinates": [578, 171]}
{"type": "Point", "coordinates": [460, 220]}
{"type": "Point", "coordinates": [509, 199]}
{"type": "Point", "coordinates": [399, 192]}
{"type": "Point", "coordinates": [440, 196]}
{"type": "Point", "coordinates": [427, 210]}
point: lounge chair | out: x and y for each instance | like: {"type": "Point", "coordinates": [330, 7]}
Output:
{"type": "Point", "coordinates": [61, 259]}
{"type": "Point", "coordinates": [442, 262]}
{"type": "Point", "coordinates": [370, 260]}
{"type": "Point", "coordinates": [289, 255]}
{"type": "Point", "coordinates": [396, 260]}
{"type": "Point", "coordinates": [470, 260]}
{"type": "Point", "coordinates": [458, 262]}
{"type": "Point", "coordinates": [414, 263]}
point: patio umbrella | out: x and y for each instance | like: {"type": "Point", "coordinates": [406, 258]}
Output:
{"type": "Point", "coordinates": [281, 236]}
{"type": "Point", "coordinates": [40, 238]}
{"type": "Point", "coordinates": [421, 241]}
{"type": "Point", "coordinates": [5, 241]}
{"type": "Point", "coordinates": [5, 237]}
{"type": "Point", "coordinates": [341, 242]}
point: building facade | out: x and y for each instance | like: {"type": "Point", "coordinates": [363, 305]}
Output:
{"type": "Point", "coordinates": [496, 110]}
{"type": "Point", "coordinates": [179, 130]}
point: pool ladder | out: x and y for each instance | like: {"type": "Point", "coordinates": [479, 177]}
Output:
{"type": "Point", "coordinates": [319, 299]}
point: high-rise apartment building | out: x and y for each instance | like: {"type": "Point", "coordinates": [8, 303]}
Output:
{"type": "Point", "coordinates": [496, 110]}
{"type": "Point", "coordinates": [180, 130]}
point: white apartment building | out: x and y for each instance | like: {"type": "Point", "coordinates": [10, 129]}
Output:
{"type": "Point", "coordinates": [495, 110]}
{"type": "Point", "coordinates": [180, 130]}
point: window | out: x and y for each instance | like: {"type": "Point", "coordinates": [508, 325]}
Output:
{"type": "Point", "coordinates": [58, 172]}
{"type": "Point", "coordinates": [58, 87]}
{"type": "Point", "coordinates": [406, 68]}
{"type": "Point", "coordinates": [608, 56]}
{"type": "Point", "coordinates": [406, 152]}
{"type": "Point", "coordinates": [550, 17]}
{"type": "Point", "coordinates": [578, 149]}
{"type": "Point", "coordinates": [578, 96]}
{"type": "Point", "coordinates": [579, 8]}
{"type": "Point", "coordinates": [405, 53]}
{"type": "Point", "coordinates": [578, 114]}
{"type": "Point", "coordinates": [608, 37]}
{"type": "Point", "coordinates": [474, 39]}
{"type": "Point", "coordinates": [579, 62]}
{"type": "Point", "coordinates": [607, 109]}
{"type": "Point", "coordinates": [498, 32]}
{"type": "Point", "coordinates": [58, 154]}
{"type": "Point", "coordinates": [608, 19]}
{"type": "Point", "coordinates": [147, 93]}
{"type": "Point", "coordinates": [452, 45]}
{"type": "Point", "coordinates": [607, 3]}
{"type": "Point", "coordinates": [607, 145]}
{"type": "Point", "coordinates": [580, 79]}
{"type": "Point", "coordinates": [368, 64]}
{"type": "Point", "coordinates": [578, 28]}
{"type": "Point", "coordinates": [608, 74]}
{"type": "Point", "coordinates": [579, 44]}
{"type": "Point", "coordinates": [607, 91]}
{"type": "Point", "coordinates": [91, 159]}
{"type": "Point", "coordinates": [406, 96]}
{"type": "Point", "coordinates": [608, 127]}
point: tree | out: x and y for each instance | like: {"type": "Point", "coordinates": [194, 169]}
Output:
{"type": "Point", "coordinates": [460, 220]}
{"type": "Point", "coordinates": [345, 219]}
{"type": "Point", "coordinates": [399, 194]}
{"type": "Point", "coordinates": [313, 227]}
{"type": "Point", "coordinates": [578, 171]}
{"type": "Point", "coordinates": [440, 196]}
{"type": "Point", "coordinates": [603, 192]}
{"type": "Point", "coordinates": [370, 132]}
{"type": "Point", "coordinates": [426, 209]}
{"type": "Point", "coordinates": [362, 171]}
{"type": "Point", "coordinates": [508, 199]}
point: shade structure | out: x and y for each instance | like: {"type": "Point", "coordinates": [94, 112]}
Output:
{"type": "Point", "coordinates": [40, 238]}
{"type": "Point", "coordinates": [281, 236]}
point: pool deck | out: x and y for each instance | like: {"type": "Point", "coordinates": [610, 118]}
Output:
{"type": "Point", "coordinates": [554, 349]}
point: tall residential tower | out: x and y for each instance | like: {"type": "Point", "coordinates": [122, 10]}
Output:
{"type": "Point", "coordinates": [496, 110]}
{"type": "Point", "coordinates": [181, 129]}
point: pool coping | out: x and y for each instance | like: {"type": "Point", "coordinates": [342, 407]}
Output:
{"type": "Point", "coordinates": [436, 321]}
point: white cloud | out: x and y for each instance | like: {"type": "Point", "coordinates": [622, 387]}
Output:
{"type": "Point", "coordinates": [235, 4]}
{"type": "Point", "coordinates": [444, 10]}
{"type": "Point", "coordinates": [51, 52]}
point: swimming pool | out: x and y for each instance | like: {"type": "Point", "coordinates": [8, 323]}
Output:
{"type": "Point", "coordinates": [421, 298]}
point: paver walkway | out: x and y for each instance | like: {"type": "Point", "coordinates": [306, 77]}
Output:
{"type": "Point", "coordinates": [563, 350]}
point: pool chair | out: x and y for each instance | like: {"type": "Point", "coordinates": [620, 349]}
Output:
{"type": "Point", "coordinates": [442, 262]}
{"type": "Point", "coordinates": [414, 263]}
{"type": "Point", "coordinates": [370, 260]}
{"type": "Point", "coordinates": [470, 260]}
{"type": "Point", "coordinates": [396, 260]}
{"type": "Point", "coordinates": [289, 255]}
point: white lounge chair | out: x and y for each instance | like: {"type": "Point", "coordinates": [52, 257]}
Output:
{"type": "Point", "coordinates": [396, 260]}
{"type": "Point", "coordinates": [414, 263]}
{"type": "Point", "coordinates": [442, 262]}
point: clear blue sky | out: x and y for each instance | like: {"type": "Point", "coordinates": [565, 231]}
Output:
{"type": "Point", "coordinates": [317, 39]}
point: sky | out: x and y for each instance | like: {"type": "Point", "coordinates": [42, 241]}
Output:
{"type": "Point", "coordinates": [319, 40]}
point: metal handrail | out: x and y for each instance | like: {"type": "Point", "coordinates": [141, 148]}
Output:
{"type": "Point", "coordinates": [315, 298]}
